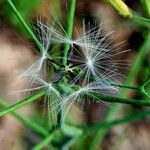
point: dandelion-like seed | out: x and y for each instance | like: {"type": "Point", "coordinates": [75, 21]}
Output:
{"type": "Point", "coordinates": [91, 69]}
{"type": "Point", "coordinates": [84, 93]}
{"type": "Point", "coordinates": [39, 68]}
{"type": "Point", "coordinates": [94, 58]}
{"type": "Point", "coordinates": [53, 99]}
{"type": "Point", "coordinates": [89, 63]}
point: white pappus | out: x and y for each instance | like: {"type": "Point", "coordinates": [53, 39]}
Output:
{"type": "Point", "coordinates": [93, 57]}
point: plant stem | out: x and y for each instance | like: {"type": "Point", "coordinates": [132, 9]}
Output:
{"type": "Point", "coordinates": [69, 31]}
{"type": "Point", "coordinates": [141, 20]}
{"type": "Point", "coordinates": [136, 116]}
{"type": "Point", "coordinates": [126, 119]}
{"type": "Point", "coordinates": [127, 86]}
{"type": "Point", "coordinates": [115, 107]}
{"type": "Point", "coordinates": [114, 99]}
{"type": "Point", "coordinates": [35, 127]}
{"type": "Point", "coordinates": [44, 142]}
{"type": "Point", "coordinates": [22, 103]}
{"type": "Point", "coordinates": [146, 5]}
{"type": "Point", "coordinates": [69, 28]}
{"type": "Point", "coordinates": [25, 25]}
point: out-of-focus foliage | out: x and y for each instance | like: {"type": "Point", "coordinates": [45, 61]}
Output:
{"type": "Point", "coordinates": [146, 5]}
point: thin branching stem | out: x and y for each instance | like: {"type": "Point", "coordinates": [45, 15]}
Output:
{"type": "Point", "coordinates": [28, 123]}
{"type": "Point", "coordinates": [25, 25]}
{"type": "Point", "coordinates": [22, 103]}
{"type": "Point", "coordinates": [114, 99]}
{"type": "Point", "coordinates": [136, 116]}
{"type": "Point", "coordinates": [96, 97]}
{"type": "Point", "coordinates": [44, 142]}
{"type": "Point", "coordinates": [69, 28]}
{"type": "Point", "coordinates": [132, 87]}
{"type": "Point", "coordinates": [141, 20]}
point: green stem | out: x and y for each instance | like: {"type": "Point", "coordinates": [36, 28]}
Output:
{"type": "Point", "coordinates": [44, 142]}
{"type": "Point", "coordinates": [32, 125]}
{"type": "Point", "coordinates": [25, 25]}
{"type": "Point", "coordinates": [127, 86]}
{"type": "Point", "coordinates": [126, 119]}
{"type": "Point", "coordinates": [143, 88]}
{"type": "Point", "coordinates": [115, 107]}
{"type": "Point", "coordinates": [146, 5]}
{"type": "Point", "coordinates": [69, 28]}
{"type": "Point", "coordinates": [22, 103]}
{"type": "Point", "coordinates": [141, 20]}
{"type": "Point", "coordinates": [35, 127]}
{"type": "Point", "coordinates": [136, 116]}
{"type": "Point", "coordinates": [114, 99]}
